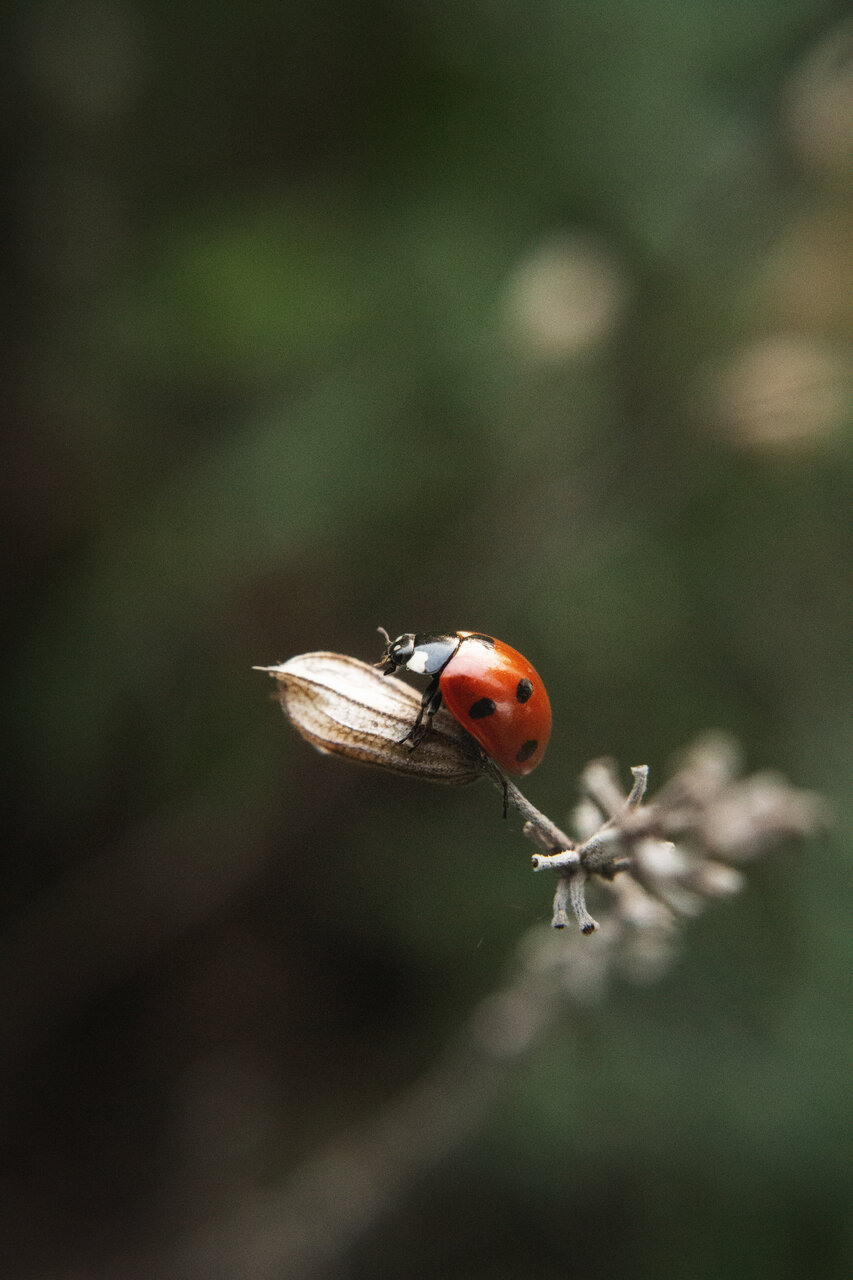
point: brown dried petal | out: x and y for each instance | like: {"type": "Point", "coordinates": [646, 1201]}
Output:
{"type": "Point", "coordinates": [346, 707]}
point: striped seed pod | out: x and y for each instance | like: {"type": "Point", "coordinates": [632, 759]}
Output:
{"type": "Point", "coordinates": [348, 708]}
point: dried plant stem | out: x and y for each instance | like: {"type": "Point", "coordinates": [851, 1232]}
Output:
{"type": "Point", "coordinates": [552, 861]}
{"type": "Point", "coordinates": [575, 862]}
{"type": "Point", "coordinates": [577, 897]}
{"type": "Point", "coordinates": [316, 1216]}
{"type": "Point", "coordinates": [549, 835]}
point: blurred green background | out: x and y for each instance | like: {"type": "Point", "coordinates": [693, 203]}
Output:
{"type": "Point", "coordinates": [531, 319]}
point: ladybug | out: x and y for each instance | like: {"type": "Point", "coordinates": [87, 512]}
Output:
{"type": "Point", "coordinates": [491, 689]}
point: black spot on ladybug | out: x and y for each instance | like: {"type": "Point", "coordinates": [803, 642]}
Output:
{"type": "Point", "coordinates": [524, 690]}
{"type": "Point", "coordinates": [481, 708]}
{"type": "Point", "coordinates": [484, 639]}
{"type": "Point", "coordinates": [526, 751]}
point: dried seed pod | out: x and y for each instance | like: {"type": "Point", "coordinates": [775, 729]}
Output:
{"type": "Point", "coordinates": [345, 707]}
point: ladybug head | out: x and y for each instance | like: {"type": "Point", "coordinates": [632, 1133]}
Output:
{"type": "Point", "coordinates": [397, 652]}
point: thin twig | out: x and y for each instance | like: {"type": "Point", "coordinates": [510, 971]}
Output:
{"type": "Point", "coordinates": [551, 835]}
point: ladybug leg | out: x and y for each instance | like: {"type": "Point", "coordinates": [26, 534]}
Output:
{"type": "Point", "coordinates": [430, 702]}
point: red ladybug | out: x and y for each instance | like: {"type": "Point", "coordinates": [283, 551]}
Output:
{"type": "Point", "coordinates": [491, 689]}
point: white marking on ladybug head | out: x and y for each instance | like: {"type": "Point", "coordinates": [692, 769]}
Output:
{"type": "Point", "coordinates": [418, 661]}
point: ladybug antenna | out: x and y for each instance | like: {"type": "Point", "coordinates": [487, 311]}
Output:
{"type": "Point", "coordinates": [383, 659]}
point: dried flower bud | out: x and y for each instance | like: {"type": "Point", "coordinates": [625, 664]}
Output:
{"type": "Point", "coordinates": [345, 707]}
{"type": "Point", "coordinates": [758, 812]}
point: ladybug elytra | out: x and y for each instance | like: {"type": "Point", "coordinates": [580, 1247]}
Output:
{"type": "Point", "coordinates": [491, 689]}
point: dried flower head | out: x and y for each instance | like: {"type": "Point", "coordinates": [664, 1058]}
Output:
{"type": "Point", "coordinates": [345, 707]}
{"type": "Point", "coordinates": [662, 859]}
